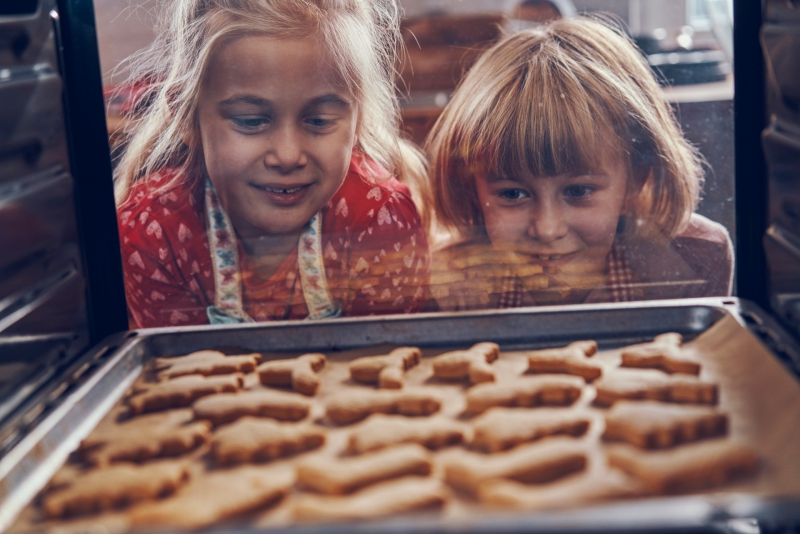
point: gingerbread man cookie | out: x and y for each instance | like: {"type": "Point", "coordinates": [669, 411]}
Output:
{"type": "Point", "coordinates": [534, 463]}
{"type": "Point", "coordinates": [169, 433]}
{"type": "Point", "coordinates": [115, 486]}
{"type": "Point", "coordinates": [384, 499]}
{"type": "Point", "coordinates": [207, 363]}
{"type": "Point", "coordinates": [679, 389]}
{"type": "Point", "coordinates": [228, 407]}
{"type": "Point", "coordinates": [655, 425]}
{"type": "Point", "coordinates": [663, 353]}
{"type": "Point", "coordinates": [570, 360]}
{"type": "Point", "coordinates": [472, 363]}
{"type": "Point", "coordinates": [351, 406]}
{"type": "Point", "coordinates": [690, 467]}
{"type": "Point", "coordinates": [385, 371]}
{"type": "Point", "coordinates": [298, 373]}
{"type": "Point", "coordinates": [381, 431]}
{"type": "Point", "coordinates": [499, 429]}
{"type": "Point", "coordinates": [182, 391]}
{"type": "Point", "coordinates": [344, 475]}
{"type": "Point", "coordinates": [257, 440]}
{"type": "Point", "coordinates": [551, 390]}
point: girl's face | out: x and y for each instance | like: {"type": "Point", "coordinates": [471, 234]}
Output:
{"type": "Point", "coordinates": [277, 130]}
{"type": "Point", "coordinates": [565, 223]}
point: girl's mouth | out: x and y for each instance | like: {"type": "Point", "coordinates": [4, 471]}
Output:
{"type": "Point", "coordinates": [283, 195]}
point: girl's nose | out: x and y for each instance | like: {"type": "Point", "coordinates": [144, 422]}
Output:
{"type": "Point", "coordinates": [285, 152]}
{"type": "Point", "coordinates": [547, 223]}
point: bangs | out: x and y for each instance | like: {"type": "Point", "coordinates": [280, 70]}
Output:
{"type": "Point", "coordinates": [548, 120]}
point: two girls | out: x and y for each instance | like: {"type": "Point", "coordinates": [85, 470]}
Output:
{"type": "Point", "coordinates": [559, 154]}
{"type": "Point", "coordinates": [259, 179]}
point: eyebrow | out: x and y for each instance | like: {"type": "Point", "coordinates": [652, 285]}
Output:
{"type": "Point", "coordinates": [330, 98]}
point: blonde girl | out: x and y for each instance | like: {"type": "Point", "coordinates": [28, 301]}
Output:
{"type": "Point", "coordinates": [259, 181]}
{"type": "Point", "coordinates": [559, 153]}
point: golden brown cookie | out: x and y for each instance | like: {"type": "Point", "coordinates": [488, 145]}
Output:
{"type": "Point", "coordinates": [472, 363]}
{"type": "Point", "coordinates": [570, 491]}
{"type": "Point", "coordinates": [182, 391]}
{"type": "Point", "coordinates": [569, 360]}
{"type": "Point", "coordinates": [386, 499]}
{"type": "Point", "coordinates": [655, 425]}
{"type": "Point", "coordinates": [257, 440]}
{"type": "Point", "coordinates": [679, 389]}
{"type": "Point", "coordinates": [336, 476]}
{"type": "Point", "coordinates": [663, 353]}
{"type": "Point", "coordinates": [298, 373]}
{"type": "Point", "coordinates": [169, 433]}
{"type": "Point", "coordinates": [499, 429]}
{"type": "Point", "coordinates": [213, 496]}
{"type": "Point", "coordinates": [228, 407]}
{"type": "Point", "coordinates": [114, 486]}
{"type": "Point", "coordinates": [534, 463]}
{"type": "Point", "coordinates": [207, 363]}
{"type": "Point", "coordinates": [354, 405]}
{"type": "Point", "coordinates": [385, 371]}
{"type": "Point", "coordinates": [551, 390]}
{"type": "Point", "coordinates": [702, 465]}
{"type": "Point", "coordinates": [381, 431]}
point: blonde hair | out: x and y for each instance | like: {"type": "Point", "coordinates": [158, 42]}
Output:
{"type": "Point", "coordinates": [546, 101]}
{"type": "Point", "coordinates": [362, 37]}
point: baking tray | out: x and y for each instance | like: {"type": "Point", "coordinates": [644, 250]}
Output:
{"type": "Point", "coordinates": [67, 413]}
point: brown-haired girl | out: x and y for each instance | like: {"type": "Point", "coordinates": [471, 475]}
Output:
{"type": "Point", "coordinates": [559, 154]}
{"type": "Point", "coordinates": [259, 179]}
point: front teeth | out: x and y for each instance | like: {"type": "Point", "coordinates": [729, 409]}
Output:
{"type": "Point", "coordinates": [282, 191]}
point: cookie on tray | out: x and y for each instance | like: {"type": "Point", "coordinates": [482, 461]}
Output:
{"type": "Point", "coordinates": [300, 373]}
{"type": "Point", "coordinates": [354, 405]}
{"type": "Point", "coordinates": [656, 425]}
{"type": "Point", "coordinates": [257, 440]}
{"type": "Point", "coordinates": [228, 407]}
{"type": "Point", "coordinates": [381, 431]}
{"type": "Point", "coordinates": [653, 385]}
{"type": "Point", "coordinates": [572, 360]}
{"type": "Point", "coordinates": [663, 353]}
{"type": "Point", "coordinates": [526, 391]}
{"type": "Point", "coordinates": [182, 391]}
{"type": "Point", "coordinates": [385, 371]}
{"type": "Point", "coordinates": [499, 429]}
{"type": "Point", "coordinates": [385, 499]}
{"type": "Point", "coordinates": [169, 433]}
{"type": "Point", "coordinates": [111, 487]}
{"type": "Point", "coordinates": [205, 362]}
{"type": "Point", "coordinates": [473, 363]}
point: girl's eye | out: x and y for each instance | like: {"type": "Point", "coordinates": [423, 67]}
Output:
{"type": "Point", "coordinates": [318, 122]}
{"type": "Point", "coordinates": [512, 194]}
{"type": "Point", "coordinates": [578, 192]}
{"type": "Point", "coordinates": [249, 122]}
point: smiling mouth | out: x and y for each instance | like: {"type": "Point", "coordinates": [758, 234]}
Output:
{"type": "Point", "coordinates": [280, 190]}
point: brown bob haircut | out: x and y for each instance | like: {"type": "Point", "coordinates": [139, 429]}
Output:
{"type": "Point", "coordinates": [559, 99]}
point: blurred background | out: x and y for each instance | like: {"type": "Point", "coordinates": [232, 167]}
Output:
{"type": "Point", "coordinates": [688, 43]}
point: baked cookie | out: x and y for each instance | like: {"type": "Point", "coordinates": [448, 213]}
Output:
{"type": "Point", "coordinates": [534, 463]}
{"type": "Point", "coordinates": [114, 486]}
{"type": "Point", "coordinates": [385, 371]}
{"type": "Point", "coordinates": [228, 407]}
{"type": "Point", "coordinates": [386, 499]}
{"type": "Point", "coordinates": [499, 429]}
{"type": "Point", "coordinates": [472, 363]}
{"type": "Point", "coordinates": [213, 496]}
{"type": "Point", "coordinates": [337, 476]}
{"type": "Point", "coordinates": [655, 425]}
{"type": "Point", "coordinates": [351, 406]}
{"type": "Point", "coordinates": [696, 466]}
{"type": "Point", "coordinates": [169, 433]}
{"type": "Point", "coordinates": [663, 353]}
{"type": "Point", "coordinates": [529, 391]}
{"type": "Point", "coordinates": [257, 440]}
{"type": "Point", "coordinates": [182, 391]}
{"type": "Point", "coordinates": [381, 431]}
{"type": "Point", "coordinates": [657, 387]}
{"type": "Point", "coordinates": [298, 373]}
{"type": "Point", "coordinates": [205, 362]}
{"type": "Point", "coordinates": [571, 360]}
